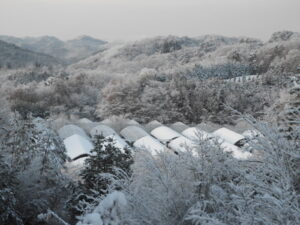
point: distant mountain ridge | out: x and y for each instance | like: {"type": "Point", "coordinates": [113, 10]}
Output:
{"type": "Point", "coordinates": [201, 56]}
{"type": "Point", "coordinates": [69, 51]}
{"type": "Point", "coordinates": [12, 56]}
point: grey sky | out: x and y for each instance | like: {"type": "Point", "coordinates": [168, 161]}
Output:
{"type": "Point", "coordinates": [134, 19]}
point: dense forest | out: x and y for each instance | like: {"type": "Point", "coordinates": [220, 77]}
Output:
{"type": "Point", "coordinates": [209, 79]}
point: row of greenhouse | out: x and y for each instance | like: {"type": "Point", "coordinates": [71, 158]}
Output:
{"type": "Point", "coordinates": [153, 137]}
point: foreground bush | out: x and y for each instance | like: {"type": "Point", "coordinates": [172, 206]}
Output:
{"type": "Point", "coordinates": [212, 188]}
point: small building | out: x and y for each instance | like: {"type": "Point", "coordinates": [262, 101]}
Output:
{"type": "Point", "coordinates": [251, 134]}
{"type": "Point", "coordinates": [77, 147]}
{"type": "Point", "coordinates": [150, 144]}
{"type": "Point", "coordinates": [133, 133]}
{"type": "Point", "coordinates": [87, 124]}
{"type": "Point", "coordinates": [102, 130]}
{"type": "Point", "coordinates": [107, 133]}
{"type": "Point", "coordinates": [172, 139]}
{"type": "Point", "coordinates": [165, 134]}
{"type": "Point", "coordinates": [179, 127]}
{"type": "Point", "coordinates": [69, 130]}
{"type": "Point", "coordinates": [181, 144]}
{"type": "Point", "coordinates": [152, 125]}
{"type": "Point", "coordinates": [230, 136]}
{"type": "Point", "coordinates": [235, 151]}
{"type": "Point", "coordinates": [196, 134]}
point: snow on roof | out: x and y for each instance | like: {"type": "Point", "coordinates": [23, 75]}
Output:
{"type": "Point", "coordinates": [149, 143]}
{"type": "Point", "coordinates": [179, 126]}
{"type": "Point", "coordinates": [102, 130]}
{"type": "Point", "coordinates": [228, 135]}
{"type": "Point", "coordinates": [152, 125]}
{"type": "Point", "coordinates": [241, 79]}
{"type": "Point", "coordinates": [88, 126]}
{"type": "Point", "coordinates": [196, 134]}
{"type": "Point", "coordinates": [77, 145]}
{"type": "Point", "coordinates": [118, 142]}
{"type": "Point", "coordinates": [133, 133]}
{"type": "Point", "coordinates": [235, 151]}
{"type": "Point", "coordinates": [181, 144]}
{"type": "Point", "coordinates": [85, 120]}
{"type": "Point", "coordinates": [250, 134]}
{"type": "Point", "coordinates": [208, 126]}
{"type": "Point", "coordinates": [106, 121]}
{"type": "Point", "coordinates": [108, 132]}
{"type": "Point", "coordinates": [165, 134]}
{"type": "Point", "coordinates": [132, 122]}
{"type": "Point", "coordinates": [69, 130]}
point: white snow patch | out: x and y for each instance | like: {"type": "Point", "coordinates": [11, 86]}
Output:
{"type": "Point", "coordinates": [107, 212]}
{"type": "Point", "coordinates": [149, 143]}
{"type": "Point", "coordinates": [69, 130]}
{"type": "Point", "coordinates": [118, 142]}
{"type": "Point", "coordinates": [77, 145]}
{"type": "Point", "coordinates": [228, 135]}
{"type": "Point", "coordinates": [196, 134]}
{"type": "Point", "coordinates": [181, 144]}
{"type": "Point", "coordinates": [235, 151]}
{"type": "Point", "coordinates": [165, 134]}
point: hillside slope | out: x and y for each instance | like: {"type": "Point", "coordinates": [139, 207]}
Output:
{"type": "Point", "coordinates": [12, 56]}
{"type": "Point", "coordinates": [210, 55]}
{"type": "Point", "coordinates": [68, 51]}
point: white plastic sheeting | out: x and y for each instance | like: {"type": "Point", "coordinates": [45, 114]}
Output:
{"type": "Point", "coordinates": [152, 125]}
{"type": "Point", "coordinates": [181, 144]}
{"type": "Point", "coordinates": [132, 122]}
{"type": "Point", "coordinates": [102, 130]}
{"type": "Point", "coordinates": [196, 134]}
{"type": "Point", "coordinates": [85, 120]}
{"type": "Point", "coordinates": [235, 151]}
{"type": "Point", "coordinates": [251, 134]}
{"type": "Point", "coordinates": [108, 132]}
{"type": "Point", "coordinates": [87, 124]}
{"type": "Point", "coordinates": [165, 134]}
{"type": "Point", "coordinates": [242, 79]}
{"type": "Point", "coordinates": [133, 133]}
{"type": "Point", "coordinates": [69, 130]}
{"type": "Point", "coordinates": [77, 145]}
{"type": "Point", "coordinates": [149, 143]}
{"type": "Point", "coordinates": [179, 126]}
{"type": "Point", "coordinates": [229, 135]}
{"type": "Point", "coordinates": [118, 142]}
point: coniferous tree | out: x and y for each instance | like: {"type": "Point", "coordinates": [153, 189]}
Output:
{"type": "Point", "coordinates": [9, 214]}
{"type": "Point", "coordinates": [104, 158]}
{"type": "Point", "coordinates": [36, 155]}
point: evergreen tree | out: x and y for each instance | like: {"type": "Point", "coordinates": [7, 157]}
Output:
{"type": "Point", "coordinates": [36, 155]}
{"type": "Point", "coordinates": [104, 158]}
{"type": "Point", "coordinates": [9, 214]}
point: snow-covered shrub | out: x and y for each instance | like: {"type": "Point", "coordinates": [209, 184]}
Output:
{"type": "Point", "coordinates": [36, 155]}
{"type": "Point", "coordinates": [103, 159]}
{"type": "Point", "coordinates": [8, 201]}
{"type": "Point", "coordinates": [181, 98]}
{"type": "Point", "coordinates": [109, 211]}
{"type": "Point", "coordinates": [211, 187]}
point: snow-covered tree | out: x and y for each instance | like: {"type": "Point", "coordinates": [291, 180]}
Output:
{"type": "Point", "coordinates": [36, 154]}
{"type": "Point", "coordinates": [9, 213]}
{"type": "Point", "coordinates": [109, 211]}
{"type": "Point", "coordinates": [104, 158]}
{"type": "Point", "coordinates": [208, 186]}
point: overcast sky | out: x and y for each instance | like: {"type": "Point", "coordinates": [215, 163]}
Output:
{"type": "Point", "coordinates": [134, 19]}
